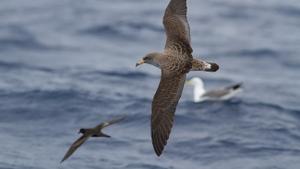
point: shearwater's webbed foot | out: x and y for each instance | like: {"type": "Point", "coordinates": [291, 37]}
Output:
{"type": "Point", "coordinates": [200, 65]}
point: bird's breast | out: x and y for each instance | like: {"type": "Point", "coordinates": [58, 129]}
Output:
{"type": "Point", "coordinates": [179, 64]}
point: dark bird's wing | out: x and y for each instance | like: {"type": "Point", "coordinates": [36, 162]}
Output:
{"type": "Point", "coordinates": [234, 87]}
{"type": "Point", "coordinates": [163, 108]}
{"type": "Point", "coordinates": [74, 147]}
{"type": "Point", "coordinates": [216, 93]}
{"type": "Point", "coordinates": [177, 27]}
{"type": "Point", "coordinates": [108, 123]}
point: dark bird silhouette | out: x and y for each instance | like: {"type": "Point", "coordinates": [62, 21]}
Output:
{"type": "Point", "coordinates": [90, 132]}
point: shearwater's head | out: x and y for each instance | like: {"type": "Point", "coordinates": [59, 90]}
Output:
{"type": "Point", "coordinates": [82, 131]}
{"type": "Point", "coordinates": [151, 58]}
{"type": "Point", "coordinates": [198, 88]}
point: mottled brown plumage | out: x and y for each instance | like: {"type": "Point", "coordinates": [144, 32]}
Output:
{"type": "Point", "coordinates": [87, 133]}
{"type": "Point", "coordinates": [202, 65]}
{"type": "Point", "coordinates": [175, 62]}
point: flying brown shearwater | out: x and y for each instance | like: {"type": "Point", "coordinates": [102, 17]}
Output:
{"type": "Point", "coordinates": [175, 62]}
{"type": "Point", "coordinates": [90, 132]}
{"type": "Point", "coordinates": [200, 94]}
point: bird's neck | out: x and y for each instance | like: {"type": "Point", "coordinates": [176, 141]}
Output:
{"type": "Point", "coordinates": [158, 60]}
{"type": "Point", "coordinates": [198, 92]}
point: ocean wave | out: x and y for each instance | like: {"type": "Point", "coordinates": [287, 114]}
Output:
{"type": "Point", "coordinates": [266, 105]}
{"type": "Point", "coordinates": [256, 53]}
{"type": "Point", "coordinates": [290, 11]}
{"type": "Point", "coordinates": [75, 71]}
{"type": "Point", "coordinates": [237, 102]}
{"type": "Point", "coordinates": [18, 65]}
{"type": "Point", "coordinates": [112, 73]}
{"type": "Point", "coordinates": [269, 150]}
{"type": "Point", "coordinates": [143, 165]}
{"type": "Point", "coordinates": [18, 79]}
{"type": "Point", "coordinates": [127, 30]}
{"type": "Point", "coordinates": [17, 37]}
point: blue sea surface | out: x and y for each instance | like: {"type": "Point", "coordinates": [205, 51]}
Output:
{"type": "Point", "coordinates": [68, 64]}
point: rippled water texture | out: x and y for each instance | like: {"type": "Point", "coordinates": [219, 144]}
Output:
{"type": "Point", "coordinates": [67, 64]}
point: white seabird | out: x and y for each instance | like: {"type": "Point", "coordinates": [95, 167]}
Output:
{"type": "Point", "coordinates": [200, 94]}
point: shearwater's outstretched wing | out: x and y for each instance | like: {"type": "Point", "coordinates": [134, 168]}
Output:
{"type": "Point", "coordinates": [163, 108]}
{"type": "Point", "coordinates": [75, 146]}
{"type": "Point", "coordinates": [108, 123]}
{"type": "Point", "coordinates": [177, 27]}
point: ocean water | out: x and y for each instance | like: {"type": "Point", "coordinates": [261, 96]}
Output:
{"type": "Point", "coordinates": [68, 64]}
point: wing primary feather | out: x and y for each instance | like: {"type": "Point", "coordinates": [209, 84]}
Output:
{"type": "Point", "coordinates": [177, 27]}
{"type": "Point", "coordinates": [113, 121]}
{"type": "Point", "coordinates": [74, 147]}
{"type": "Point", "coordinates": [163, 108]}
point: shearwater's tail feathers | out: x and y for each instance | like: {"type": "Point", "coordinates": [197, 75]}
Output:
{"type": "Point", "coordinates": [201, 65]}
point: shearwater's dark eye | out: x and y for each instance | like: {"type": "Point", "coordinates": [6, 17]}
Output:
{"type": "Point", "coordinates": [146, 58]}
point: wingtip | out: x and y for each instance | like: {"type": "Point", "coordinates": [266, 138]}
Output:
{"type": "Point", "coordinates": [158, 154]}
{"type": "Point", "coordinates": [64, 159]}
{"type": "Point", "coordinates": [237, 86]}
{"type": "Point", "coordinates": [157, 151]}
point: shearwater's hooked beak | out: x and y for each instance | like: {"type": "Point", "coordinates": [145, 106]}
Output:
{"type": "Point", "coordinates": [188, 82]}
{"type": "Point", "coordinates": [140, 62]}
